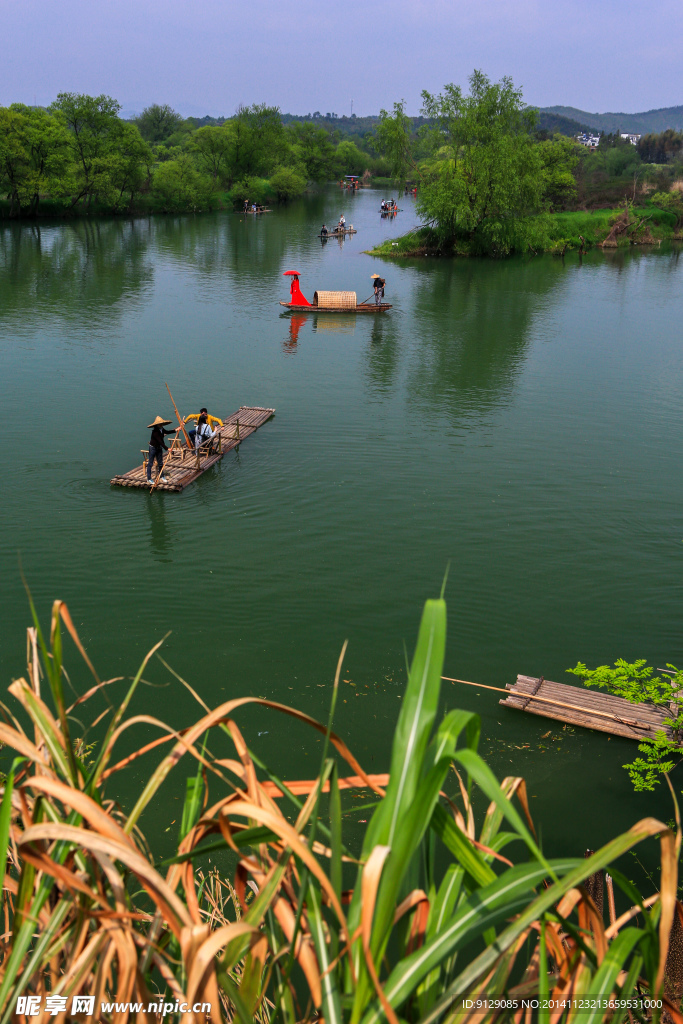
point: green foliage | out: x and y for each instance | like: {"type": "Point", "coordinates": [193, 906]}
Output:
{"type": "Point", "coordinates": [491, 169]}
{"type": "Point", "coordinates": [179, 187]}
{"type": "Point", "coordinates": [313, 149]}
{"type": "Point", "coordinates": [662, 148]}
{"type": "Point", "coordinates": [637, 683]}
{"type": "Point", "coordinates": [393, 135]}
{"type": "Point", "coordinates": [287, 183]}
{"type": "Point", "coordinates": [251, 189]}
{"type": "Point", "coordinates": [670, 202]}
{"type": "Point", "coordinates": [559, 157]}
{"type": "Point", "coordinates": [157, 123]}
{"type": "Point", "coordinates": [438, 912]}
{"type": "Point", "coordinates": [213, 147]}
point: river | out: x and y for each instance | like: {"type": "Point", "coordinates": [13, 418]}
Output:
{"type": "Point", "coordinates": [519, 421]}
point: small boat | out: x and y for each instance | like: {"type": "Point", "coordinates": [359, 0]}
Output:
{"type": "Point", "coordinates": [336, 234]}
{"type": "Point", "coordinates": [255, 211]}
{"type": "Point", "coordinates": [337, 302]}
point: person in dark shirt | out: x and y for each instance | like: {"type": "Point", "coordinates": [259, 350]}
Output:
{"type": "Point", "coordinates": [323, 230]}
{"type": "Point", "coordinates": [157, 447]}
{"type": "Point", "coordinates": [379, 290]}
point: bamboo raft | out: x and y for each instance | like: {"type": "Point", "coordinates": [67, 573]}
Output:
{"type": "Point", "coordinates": [338, 234]}
{"type": "Point", "coordinates": [182, 466]}
{"type": "Point", "coordinates": [590, 708]}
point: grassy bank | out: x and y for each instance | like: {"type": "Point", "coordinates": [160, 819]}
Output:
{"type": "Point", "coordinates": [548, 232]}
{"type": "Point", "coordinates": [296, 918]}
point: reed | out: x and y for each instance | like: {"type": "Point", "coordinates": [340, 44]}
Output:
{"type": "Point", "coordinates": [440, 904]}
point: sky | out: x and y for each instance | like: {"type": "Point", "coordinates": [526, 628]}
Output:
{"type": "Point", "coordinates": [209, 56]}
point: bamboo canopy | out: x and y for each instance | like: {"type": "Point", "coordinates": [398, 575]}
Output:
{"type": "Point", "coordinates": [335, 300]}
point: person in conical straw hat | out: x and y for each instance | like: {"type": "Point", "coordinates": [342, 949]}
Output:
{"type": "Point", "coordinates": [379, 283]}
{"type": "Point", "coordinates": [157, 447]}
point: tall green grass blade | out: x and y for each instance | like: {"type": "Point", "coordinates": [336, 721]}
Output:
{"type": "Point", "coordinates": [484, 908]}
{"type": "Point", "coordinates": [194, 793]}
{"type": "Point", "coordinates": [480, 772]}
{"type": "Point", "coordinates": [481, 964]}
{"type": "Point", "coordinates": [414, 726]}
{"type": "Point", "coordinates": [613, 963]}
{"type": "Point", "coordinates": [455, 840]}
{"type": "Point", "coordinates": [332, 1011]}
{"type": "Point", "coordinates": [6, 816]}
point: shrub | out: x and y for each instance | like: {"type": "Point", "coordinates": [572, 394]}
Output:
{"type": "Point", "coordinates": [253, 190]}
{"type": "Point", "coordinates": [180, 188]}
{"type": "Point", "coordinates": [287, 183]}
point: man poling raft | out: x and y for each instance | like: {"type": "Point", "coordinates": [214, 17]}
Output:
{"type": "Point", "coordinates": [157, 447]}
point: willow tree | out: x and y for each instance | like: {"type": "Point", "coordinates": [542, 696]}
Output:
{"type": "Point", "coordinates": [487, 169]}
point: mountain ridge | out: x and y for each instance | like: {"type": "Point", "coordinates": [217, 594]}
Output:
{"type": "Point", "coordinates": [656, 120]}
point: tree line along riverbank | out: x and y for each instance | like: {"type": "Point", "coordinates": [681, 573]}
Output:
{"type": "Point", "coordinates": [556, 233]}
{"type": "Point", "coordinates": [490, 180]}
{"type": "Point", "coordinates": [78, 157]}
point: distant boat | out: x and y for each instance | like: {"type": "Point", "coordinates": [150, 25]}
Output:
{"type": "Point", "coordinates": [337, 232]}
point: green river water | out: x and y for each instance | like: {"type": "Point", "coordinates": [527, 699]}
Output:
{"type": "Point", "coordinates": [521, 420]}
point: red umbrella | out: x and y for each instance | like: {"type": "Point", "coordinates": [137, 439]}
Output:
{"type": "Point", "coordinates": [291, 273]}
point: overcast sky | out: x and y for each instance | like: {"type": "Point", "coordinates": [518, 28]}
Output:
{"type": "Point", "coordinates": [208, 56]}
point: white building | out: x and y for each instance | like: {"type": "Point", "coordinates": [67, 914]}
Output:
{"type": "Point", "coordinates": [633, 139]}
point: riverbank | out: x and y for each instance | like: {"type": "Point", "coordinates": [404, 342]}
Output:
{"type": "Point", "coordinates": [550, 232]}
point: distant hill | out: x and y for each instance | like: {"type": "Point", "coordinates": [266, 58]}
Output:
{"type": "Point", "coordinates": [639, 124]}
{"type": "Point", "coordinates": [551, 123]}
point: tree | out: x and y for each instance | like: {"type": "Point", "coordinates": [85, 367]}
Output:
{"type": "Point", "coordinates": [312, 147]}
{"type": "Point", "coordinates": [129, 165]}
{"type": "Point", "coordinates": [180, 187]}
{"type": "Point", "coordinates": [13, 157]}
{"type": "Point", "coordinates": [262, 137]}
{"type": "Point", "coordinates": [34, 153]}
{"type": "Point", "coordinates": [213, 147]}
{"type": "Point", "coordinates": [287, 183]}
{"type": "Point", "coordinates": [94, 127]}
{"type": "Point", "coordinates": [157, 123]}
{"type": "Point", "coordinates": [394, 141]}
{"type": "Point", "coordinates": [559, 156]}
{"type": "Point", "coordinates": [490, 171]}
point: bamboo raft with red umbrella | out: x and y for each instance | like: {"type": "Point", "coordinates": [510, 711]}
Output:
{"type": "Point", "coordinates": [328, 302]}
{"type": "Point", "coordinates": [183, 464]}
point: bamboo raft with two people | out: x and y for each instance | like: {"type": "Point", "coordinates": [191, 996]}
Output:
{"type": "Point", "coordinates": [329, 302]}
{"type": "Point", "coordinates": [183, 463]}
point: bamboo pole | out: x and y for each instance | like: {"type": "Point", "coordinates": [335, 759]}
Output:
{"type": "Point", "coordinates": [181, 421]}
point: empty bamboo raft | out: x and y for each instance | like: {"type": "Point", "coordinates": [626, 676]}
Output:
{"type": "Point", "coordinates": [182, 467]}
{"type": "Point", "coordinates": [589, 708]}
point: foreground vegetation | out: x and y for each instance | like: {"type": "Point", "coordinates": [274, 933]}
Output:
{"type": "Point", "coordinates": [450, 895]}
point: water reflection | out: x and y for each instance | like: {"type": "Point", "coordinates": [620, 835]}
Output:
{"type": "Point", "coordinates": [296, 322]}
{"type": "Point", "coordinates": [475, 318]}
{"type": "Point", "coordinates": [75, 271]}
{"type": "Point", "coordinates": [383, 354]}
{"type": "Point", "coordinates": [160, 533]}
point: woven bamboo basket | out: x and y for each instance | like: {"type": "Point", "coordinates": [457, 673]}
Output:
{"type": "Point", "coordinates": [335, 300]}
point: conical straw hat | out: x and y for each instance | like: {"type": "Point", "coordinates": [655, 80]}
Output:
{"type": "Point", "coordinates": [158, 422]}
